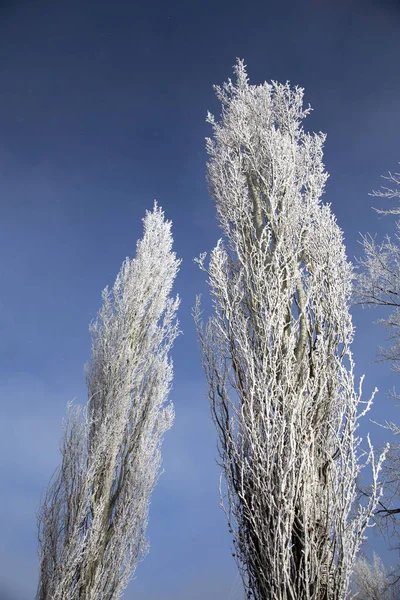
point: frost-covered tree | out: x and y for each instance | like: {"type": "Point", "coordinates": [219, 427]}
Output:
{"type": "Point", "coordinates": [378, 283]}
{"type": "Point", "coordinates": [92, 521]}
{"type": "Point", "coordinates": [371, 581]}
{"type": "Point", "coordinates": [276, 352]}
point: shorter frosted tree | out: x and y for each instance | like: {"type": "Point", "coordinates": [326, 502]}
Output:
{"type": "Point", "coordinates": [93, 519]}
{"type": "Point", "coordinates": [276, 351]}
{"type": "Point", "coordinates": [371, 581]}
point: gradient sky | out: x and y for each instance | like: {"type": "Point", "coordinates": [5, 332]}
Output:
{"type": "Point", "coordinates": [102, 109]}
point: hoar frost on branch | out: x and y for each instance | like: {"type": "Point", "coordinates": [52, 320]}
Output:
{"type": "Point", "coordinates": [93, 518]}
{"type": "Point", "coordinates": [277, 351]}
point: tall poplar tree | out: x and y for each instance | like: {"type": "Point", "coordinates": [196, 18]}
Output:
{"type": "Point", "coordinates": [93, 519]}
{"type": "Point", "coordinates": [276, 351]}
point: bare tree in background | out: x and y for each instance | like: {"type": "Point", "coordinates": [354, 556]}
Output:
{"type": "Point", "coordinates": [93, 519]}
{"type": "Point", "coordinates": [277, 351]}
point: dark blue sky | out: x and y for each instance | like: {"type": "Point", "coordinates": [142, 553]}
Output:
{"type": "Point", "coordinates": [102, 109]}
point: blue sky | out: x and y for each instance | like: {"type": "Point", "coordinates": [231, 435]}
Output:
{"type": "Point", "coordinates": [102, 109]}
